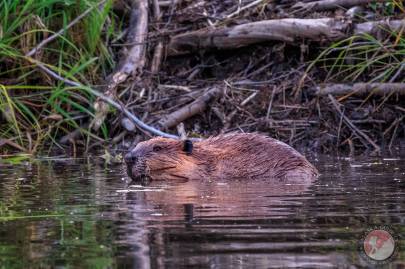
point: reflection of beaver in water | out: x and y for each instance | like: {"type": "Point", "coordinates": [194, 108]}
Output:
{"type": "Point", "coordinates": [231, 156]}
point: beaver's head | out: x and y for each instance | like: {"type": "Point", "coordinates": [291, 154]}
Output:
{"type": "Point", "coordinates": [163, 158]}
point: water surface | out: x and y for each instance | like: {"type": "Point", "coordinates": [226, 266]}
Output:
{"type": "Point", "coordinates": [77, 214]}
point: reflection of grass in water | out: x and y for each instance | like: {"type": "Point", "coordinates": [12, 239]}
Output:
{"type": "Point", "coordinates": [80, 241]}
{"type": "Point", "coordinates": [67, 243]}
{"type": "Point", "coordinates": [67, 234]}
{"type": "Point", "coordinates": [11, 218]}
{"type": "Point", "coordinates": [17, 159]}
{"type": "Point", "coordinates": [63, 227]}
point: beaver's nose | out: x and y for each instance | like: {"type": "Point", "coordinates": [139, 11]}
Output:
{"type": "Point", "coordinates": [130, 158]}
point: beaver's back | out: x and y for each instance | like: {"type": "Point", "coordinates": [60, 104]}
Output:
{"type": "Point", "coordinates": [257, 156]}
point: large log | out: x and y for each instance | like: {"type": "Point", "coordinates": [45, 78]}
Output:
{"type": "Point", "coordinates": [286, 30]}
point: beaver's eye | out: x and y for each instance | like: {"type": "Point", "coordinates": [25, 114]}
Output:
{"type": "Point", "coordinates": [188, 147]}
{"type": "Point", "coordinates": [157, 148]}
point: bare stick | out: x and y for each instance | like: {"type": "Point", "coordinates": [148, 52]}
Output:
{"type": "Point", "coordinates": [61, 31]}
{"type": "Point", "coordinates": [131, 64]}
{"type": "Point", "coordinates": [168, 3]}
{"type": "Point", "coordinates": [119, 107]}
{"type": "Point", "coordinates": [361, 89]}
{"type": "Point", "coordinates": [158, 53]}
{"type": "Point", "coordinates": [156, 10]}
{"type": "Point", "coordinates": [199, 105]}
{"type": "Point", "coordinates": [251, 4]}
{"type": "Point", "coordinates": [351, 125]}
{"type": "Point", "coordinates": [287, 30]}
{"type": "Point", "coordinates": [181, 130]}
{"type": "Point", "coordinates": [328, 4]}
{"type": "Point", "coordinates": [157, 58]}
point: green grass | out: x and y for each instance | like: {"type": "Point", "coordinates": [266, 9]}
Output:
{"type": "Point", "coordinates": [365, 58]}
{"type": "Point", "coordinates": [35, 109]}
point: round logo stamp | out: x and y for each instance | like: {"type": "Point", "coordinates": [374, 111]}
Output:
{"type": "Point", "coordinates": [378, 245]}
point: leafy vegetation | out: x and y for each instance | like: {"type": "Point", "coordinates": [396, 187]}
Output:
{"type": "Point", "coordinates": [365, 57]}
{"type": "Point", "coordinates": [36, 108]}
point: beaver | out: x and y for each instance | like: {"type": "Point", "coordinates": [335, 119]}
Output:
{"type": "Point", "coordinates": [229, 156]}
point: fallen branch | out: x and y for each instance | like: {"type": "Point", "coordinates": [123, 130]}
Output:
{"type": "Point", "coordinates": [361, 89]}
{"type": "Point", "coordinates": [158, 53]}
{"type": "Point", "coordinates": [108, 100]}
{"type": "Point", "coordinates": [12, 144]}
{"type": "Point", "coordinates": [374, 27]}
{"type": "Point", "coordinates": [327, 5]}
{"type": "Point", "coordinates": [132, 64]}
{"type": "Point", "coordinates": [356, 130]}
{"type": "Point", "coordinates": [168, 3]}
{"type": "Point", "coordinates": [199, 105]}
{"type": "Point", "coordinates": [286, 30]}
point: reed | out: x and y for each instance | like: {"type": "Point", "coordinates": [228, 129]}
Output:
{"type": "Point", "coordinates": [35, 109]}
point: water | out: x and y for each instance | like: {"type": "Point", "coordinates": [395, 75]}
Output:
{"type": "Point", "coordinates": [78, 214]}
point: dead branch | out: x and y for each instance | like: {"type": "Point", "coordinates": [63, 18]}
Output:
{"type": "Point", "coordinates": [353, 127]}
{"type": "Point", "coordinates": [241, 9]}
{"type": "Point", "coordinates": [361, 89]}
{"type": "Point", "coordinates": [374, 27]}
{"type": "Point", "coordinates": [156, 10]}
{"type": "Point", "coordinates": [132, 64]}
{"type": "Point", "coordinates": [327, 5]}
{"type": "Point", "coordinates": [168, 3]}
{"type": "Point", "coordinates": [157, 58]}
{"type": "Point", "coordinates": [199, 105]}
{"type": "Point", "coordinates": [12, 144]}
{"type": "Point", "coordinates": [287, 30]}
{"type": "Point", "coordinates": [158, 53]}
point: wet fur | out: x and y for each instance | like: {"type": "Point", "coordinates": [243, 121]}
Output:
{"type": "Point", "coordinates": [231, 156]}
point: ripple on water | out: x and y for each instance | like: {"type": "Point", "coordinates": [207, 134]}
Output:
{"type": "Point", "coordinates": [68, 213]}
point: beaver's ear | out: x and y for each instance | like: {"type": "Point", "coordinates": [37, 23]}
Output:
{"type": "Point", "coordinates": [188, 146]}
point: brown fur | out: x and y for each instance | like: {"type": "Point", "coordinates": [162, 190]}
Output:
{"type": "Point", "coordinates": [231, 156]}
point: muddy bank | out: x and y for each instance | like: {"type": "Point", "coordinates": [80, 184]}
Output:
{"type": "Point", "coordinates": [218, 78]}
{"type": "Point", "coordinates": [323, 76]}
